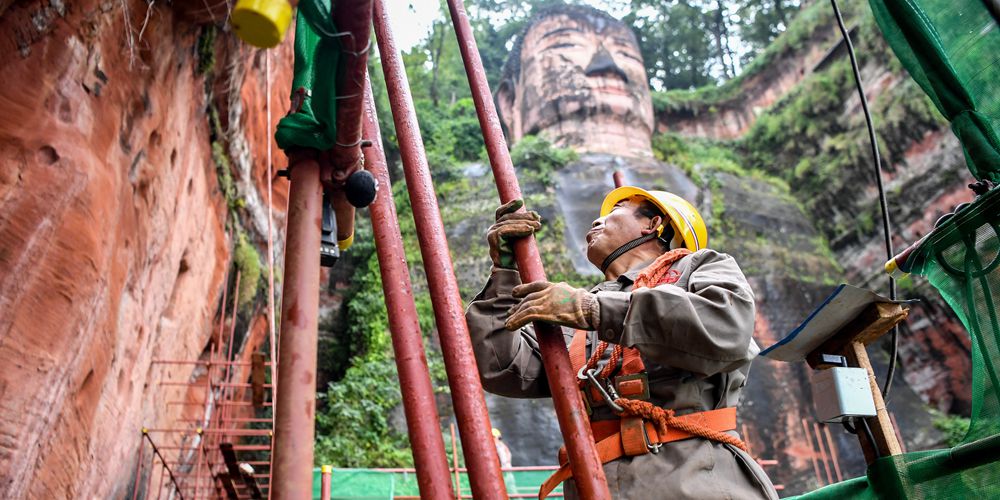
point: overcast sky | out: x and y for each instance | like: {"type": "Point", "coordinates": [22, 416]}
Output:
{"type": "Point", "coordinates": [411, 19]}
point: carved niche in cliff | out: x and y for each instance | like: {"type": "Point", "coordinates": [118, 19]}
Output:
{"type": "Point", "coordinates": [576, 77]}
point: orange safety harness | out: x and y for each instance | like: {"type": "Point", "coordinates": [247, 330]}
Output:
{"type": "Point", "coordinates": [642, 427]}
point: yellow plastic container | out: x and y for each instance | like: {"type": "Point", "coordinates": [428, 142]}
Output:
{"type": "Point", "coordinates": [261, 23]}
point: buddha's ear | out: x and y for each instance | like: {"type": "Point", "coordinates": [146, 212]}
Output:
{"type": "Point", "coordinates": [504, 101]}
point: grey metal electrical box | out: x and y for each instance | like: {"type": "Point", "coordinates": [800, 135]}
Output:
{"type": "Point", "coordinates": [842, 392]}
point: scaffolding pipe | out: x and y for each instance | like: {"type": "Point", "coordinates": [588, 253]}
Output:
{"type": "Point", "coordinates": [296, 404]}
{"type": "Point", "coordinates": [419, 405]}
{"type": "Point", "coordinates": [619, 178]}
{"type": "Point", "coordinates": [324, 490]}
{"type": "Point", "coordinates": [353, 21]}
{"type": "Point", "coordinates": [588, 472]}
{"type": "Point", "coordinates": [467, 397]}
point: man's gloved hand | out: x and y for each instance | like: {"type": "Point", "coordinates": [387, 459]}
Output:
{"type": "Point", "coordinates": [510, 225]}
{"type": "Point", "coordinates": [557, 303]}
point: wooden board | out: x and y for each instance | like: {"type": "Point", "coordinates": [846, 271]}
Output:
{"type": "Point", "coordinates": [257, 379]}
{"type": "Point", "coordinates": [881, 424]}
{"type": "Point", "coordinates": [874, 322]}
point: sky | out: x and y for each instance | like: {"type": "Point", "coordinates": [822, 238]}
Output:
{"type": "Point", "coordinates": [411, 19]}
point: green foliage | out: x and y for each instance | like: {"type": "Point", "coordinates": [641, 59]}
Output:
{"type": "Point", "coordinates": [354, 430]}
{"type": "Point", "coordinates": [687, 44]}
{"type": "Point", "coordinates": [954, 427]}
{"type": "Point", "coordinates": [451, 132]}
{"type": "Point", "coordinates": [537, 159]}
{"type": "Point", "coordinates": [247, 262]}
{"type": "Point", "coordinates": [707, 95]}
{"type": "Point", "coordinates": [206, 49]}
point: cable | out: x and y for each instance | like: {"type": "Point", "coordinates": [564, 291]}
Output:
{"type": "Point", "coordinates": [870, 436]}
{"type": "Point", "coordinates": [881, 190]}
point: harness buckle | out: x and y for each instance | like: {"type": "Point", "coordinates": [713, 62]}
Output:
{"type": "Point", "coordinates": [653, 448]}
{"type": "Point", "coordinates": [591, 377]}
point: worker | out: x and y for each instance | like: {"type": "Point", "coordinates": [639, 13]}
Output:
{"type": "Point", "coordinates": [676, 318]}
{"type": "Point", "coordinates": [502, 450]}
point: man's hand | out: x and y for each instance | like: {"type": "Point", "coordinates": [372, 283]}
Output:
{"type": "Point", "coordinates": [557, 303]}
{"type": "Point", "coordinates": [510, 225]}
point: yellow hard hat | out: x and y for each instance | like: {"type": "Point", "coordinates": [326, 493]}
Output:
{"type": "Point", "coordinates": [496, 432]}
{"type": "Point", "coordinates": [684, 218]}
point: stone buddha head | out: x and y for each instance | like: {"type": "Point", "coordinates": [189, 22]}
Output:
{"type": "Point", "coordinates": [576, 77]}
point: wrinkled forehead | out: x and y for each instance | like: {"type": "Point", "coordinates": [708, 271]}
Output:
{"type": "Point", "coordinates": [556, 26]}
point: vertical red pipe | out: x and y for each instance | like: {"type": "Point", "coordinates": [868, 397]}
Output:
{"type": "Point", "coordinates": [326, 484]}
{"type": "Point", "coordinates": [138, 470]}
{"type": "Point", "coordinates": [456, 345]}
{"type": "Point", "coordinates": [296, 403]}
{"type": "Point", "coordinates": [619, 178]}
{"type": "Point", "coordinates": [584, 462]}
{"type": "Point", "coordinates": [419, 406]}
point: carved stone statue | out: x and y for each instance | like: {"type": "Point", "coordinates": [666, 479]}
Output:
{"type": "Point", "coordinates": [576, 77]}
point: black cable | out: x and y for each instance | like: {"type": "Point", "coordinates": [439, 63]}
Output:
{"type": "Point", "coordinates": [881, 191]}
{"type": "Point", "coordinates": [871, 437]}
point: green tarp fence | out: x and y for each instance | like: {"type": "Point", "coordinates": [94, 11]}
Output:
{"type": "Point", "coordinates": [357, 484]}
{"type": "Point", "coordinates": [314, 81]}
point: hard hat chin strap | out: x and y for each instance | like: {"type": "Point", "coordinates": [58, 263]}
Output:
{"type": "Point", "coordinates": [622, 250]}
{"type": "Point", "coordinates": [627, 247]}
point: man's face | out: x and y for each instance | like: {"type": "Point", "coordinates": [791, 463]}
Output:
{"type": "Point", "coordinates": [620, 226]}
{"type": "Point", "coordinates": [578, 78]}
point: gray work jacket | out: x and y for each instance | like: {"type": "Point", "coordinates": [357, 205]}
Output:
{"type": "Point", "coordinates": [694, 336]}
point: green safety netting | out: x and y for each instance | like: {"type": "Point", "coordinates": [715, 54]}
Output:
{"type": "Point", "coordinates": [950, 47]}
{"type": "Point", "coordinates": [961, 259]}
{"type": "Point", "coordinates": [314, 88]}
{"type": "Point", "coordinates": [356, 484]}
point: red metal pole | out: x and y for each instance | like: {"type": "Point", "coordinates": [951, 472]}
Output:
{"type": "Point", "coordinates": [327, 480]}
{"type": "Point", "coordinates": [353, 19]}
{"type": "Point", "coordinates": [456, 346]}
{"type": "Point", "coordinates": [407, 343]}
{"type": "Point", "coordinates": [584, 462]}
{"type": "Point", "coordinates": [619, 178]}
{"type": "Point", "coordinates": [296, 404]}
{"type": "Point", "coordinates": [138, 470]}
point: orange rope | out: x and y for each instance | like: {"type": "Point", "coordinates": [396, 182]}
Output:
{"type": "Point", "coordinates": [651, 276]}
{"type": "Point", "coordinates": [664, 419]}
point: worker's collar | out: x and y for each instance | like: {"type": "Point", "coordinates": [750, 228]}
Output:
{"type": "Point", "coordinates": [629, 277]}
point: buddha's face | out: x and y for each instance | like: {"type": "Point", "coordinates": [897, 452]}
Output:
{"type": "Point", "coordinates": [582, 84]}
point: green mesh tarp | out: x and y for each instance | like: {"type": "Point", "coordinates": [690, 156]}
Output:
{"type": "Point", "coordinates": [356, 484]}
{"type": "Point", "coordinates": [314, 89]}
{"type": "Point", "coordinates": [961, 259]}
{"type": "Point", "coordinates": [950, 47]}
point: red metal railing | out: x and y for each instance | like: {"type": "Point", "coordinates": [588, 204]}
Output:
{"type": "Point", "coordinates": [186, 460]}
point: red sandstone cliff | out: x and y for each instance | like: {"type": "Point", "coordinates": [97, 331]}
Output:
{"type": "Point", "coordinates": [113, 227]}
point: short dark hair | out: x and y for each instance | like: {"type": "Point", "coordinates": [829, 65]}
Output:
{"type": "Point", "coordinates": [649, 210]}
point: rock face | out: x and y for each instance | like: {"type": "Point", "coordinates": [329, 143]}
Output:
{"type": "Point", "coordinates": [113, 239]}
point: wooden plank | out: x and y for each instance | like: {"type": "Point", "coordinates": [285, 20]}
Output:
{"type": "Point", "coordinates": [257, 379]}
{"type": "Point", "coordinates": [232, 465]}
{"type": "Point", "coordinates": [227, 483]}
{"type": "Point", "coordinates": [881, 425]}
{"type": "Point", "coordinates": [876, 320]}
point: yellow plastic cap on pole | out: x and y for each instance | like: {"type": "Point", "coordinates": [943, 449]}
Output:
{"type": "Point", "coordinates": [261, 23]}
